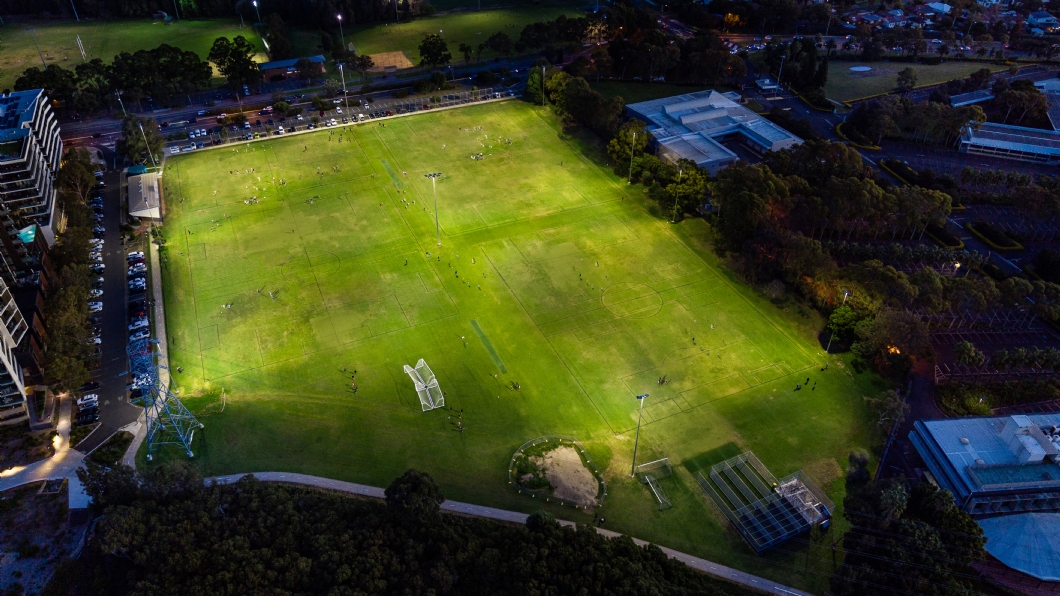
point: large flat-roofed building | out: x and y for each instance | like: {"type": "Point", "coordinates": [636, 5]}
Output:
{"type": "Point", "coordinates": [30, 154]}
{"type": "Point", "coordinates": [994, 466]}
{"type": "Point", "coordinates": [1012, 142]}
{"type": "Point", "coordinates": [695, 126]}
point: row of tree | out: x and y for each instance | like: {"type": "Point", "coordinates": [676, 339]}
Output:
{"type": "Point", "coordinates": [161, 73]}
{"type": "Point", "coordinates": [263, 538]}
{"type": "Point", "coordinates": [67, 350]}
{"type": "Point", "coordinates": [925, 121]}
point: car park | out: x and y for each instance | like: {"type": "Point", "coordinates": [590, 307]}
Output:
{"type": "Point", "coordinates": [89, 386]}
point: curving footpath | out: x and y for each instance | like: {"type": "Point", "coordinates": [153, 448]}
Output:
{"type": "Point", "coordinates": [720, 571]}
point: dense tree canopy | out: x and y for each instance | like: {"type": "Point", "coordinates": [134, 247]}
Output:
{"type": "Point", "coordinates": [260, 538]}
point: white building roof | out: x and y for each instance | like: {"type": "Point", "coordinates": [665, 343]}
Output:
{"type": "Point", "coordinates": [1015, 138]}
{"type": "Point", "coordinates": [144, 196]}
{"type": "Point", "coordinates": [677, 121]}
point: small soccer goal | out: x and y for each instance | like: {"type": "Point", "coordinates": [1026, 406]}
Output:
{"type": "Point", "coordinates": [427, 389]}
{"type": "Point", "coordinates": [651, 473]}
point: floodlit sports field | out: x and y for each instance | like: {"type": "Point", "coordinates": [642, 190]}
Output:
{"type": "Point", "coordinates": [552, 275]}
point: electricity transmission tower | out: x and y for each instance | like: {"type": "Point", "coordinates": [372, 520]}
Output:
{"type": "Point", "coordinates": [168, 421]}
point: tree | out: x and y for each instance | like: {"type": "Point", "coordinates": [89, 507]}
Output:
{"type": "Point", "coordinates": [630, 141]}
{"type": "Point", "coordinates": [132, 144]}
{"type": "Point", "coordinates": [534, 84]}
{"type": "Point", "coordinates": [307, 69]}
{"type": "Point", "coordinates": [842, 320]}
{"type": "Point", "coordinates": [362, 63]}
{"type": "Point", "coordinates": [907, 78]}
{"type": "Point", "coordinates": [276, 34]}
{"type": "Point", "coordinates": [434, 51]}
{"type": "Point", "coordinates": [601, 62]}
{"type": "Point", "coordinates": [234, 58]}
{"type": "Point", "coordinates": [414, 496]}
{"type": "Point", "coordinates": [500, 43]}
{"type": "Point", "coordinates": [466, 51]}
{"type": "Point", "coordinates": [888, 407]}
{"type": "Point", "coordinates": [967, 353]}
{"type": "Point", "coordinates": [745, 196]}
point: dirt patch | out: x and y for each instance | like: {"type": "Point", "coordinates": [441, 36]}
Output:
{"type": "Point", "coordinates": [396, 59]}
{"type": "Point", "coordinates": [823, 471]}
{"type": "Point", "coordinates": [572, 480]}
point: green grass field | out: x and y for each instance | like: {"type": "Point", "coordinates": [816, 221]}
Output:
{"type": "Point", "coordinates": [105, 39]}
{"type": "Point", "coordinates": [844, 85]}
{"type": "Point", "coordinates": [582, 295]}
{"type": "Point", "coordinates": [471, 28]}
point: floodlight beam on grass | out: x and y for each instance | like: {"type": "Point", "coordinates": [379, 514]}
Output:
{"type": "Point", "coordinates": [169, 422]}
{"type": "Point", "coordinates": [426, 383]}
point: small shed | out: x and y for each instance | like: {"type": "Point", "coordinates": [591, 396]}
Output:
{"type": "Point", "coordinates": [145, 200]}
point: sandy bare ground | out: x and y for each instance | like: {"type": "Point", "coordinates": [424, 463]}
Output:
{"type": "Point", "coordinates": [572, 480]}
{"type": "Point", "coordinates": [398, 59]}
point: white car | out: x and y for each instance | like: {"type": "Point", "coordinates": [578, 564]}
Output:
{"type": "Point", "coordinates": [279, 130]}
{"type": "Point", "coordinates": [136, 254]}
{"type": "Point", "coordinates": [338, 110]}
{"type": "Point", "coordinates": [95, 341]}
{"type": "Point", "coordinates": [95, 307]}
{"type": "Point", "coordinates": [85, 400]}
{"type": "Point", "coordinates": [95, 241]}
{"type": "Point", "coordinates": [140, 335]}
{"type": "Point", "coordinates": [137, 267]}
{"type": "Point", "coordinates": [299, 118]}
{"type": "Point", "coordinates": [95, 293]}
{"type": "Point", "coordinates": [190, 147]}
{"type": "Point", "coordinates": [139, 324]}
{"type": "Point", "coordinates": [137, 284]}
{"type": "Point", "coordinates": [174, 150]}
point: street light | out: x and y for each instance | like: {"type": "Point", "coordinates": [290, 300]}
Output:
{"type": "Point", "coordinates": [256, 11]}
{"type": "Point", "coordinates": [677, 195]}
{"type": "Point", "coordinates": [640, 413]}
{"type": "Point", "coordinates": [341, 37]}
{"type": "Point", "coordinates": [780, 73]}
{"type": "Point", "coordinates": [846, 294]}
{"type": "Point", "coordinates": [434, 177]}
{"type": "Point", "coordinates": [118, 93]}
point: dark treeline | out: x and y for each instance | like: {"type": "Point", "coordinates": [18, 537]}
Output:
{"type": "Point", "coordinates": [260, 538]}
{"type": "Point", "coordinates": [302, 13]}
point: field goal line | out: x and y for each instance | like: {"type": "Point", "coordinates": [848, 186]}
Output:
{"type": "Point", "coordinates": [426, 383]}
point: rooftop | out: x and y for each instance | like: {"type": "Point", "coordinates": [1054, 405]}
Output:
{"type": "Point", "coordinates": [144, 199]}
{"type": "Point", "coordinates": [710, 115]}
{"type": "Point", "coordinates": [1015, 138]}
{"type": "Point", "coordinates": [965, 99]}
{"type": "Point", "coordinates": [983, 458]}
{"type": "Point", "coordinates": [1027, 542]}
{"type": "Point", "coordinates": [289, 63]}
{"type": "Point", "coordinates": [16, 109]}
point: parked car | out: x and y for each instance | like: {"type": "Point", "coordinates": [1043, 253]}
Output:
{"type": "Point", "coordinates": [91, 418]}
{"type": "Point", "coordinates": [90, 398]}
{"type": "Point", "coordinates": [95, 307]}
{"type": "Point", "coordinates": [97, 268]}
{"type": "Point", "coordinates": [89, 386]}
{"type": "Point", "coordinates": [139, 324]}
{"type": "Point", "coordinates": [143, 334]}
{"type": "Point", "coordinates": [95, 293]}
{"type": "Point", "coordinates": [95, 341]}
{"type": "Point", "coordinates": [136, 254]}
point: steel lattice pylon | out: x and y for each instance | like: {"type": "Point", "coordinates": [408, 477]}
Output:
{"type": "Point", "coordinates": [168, 421]}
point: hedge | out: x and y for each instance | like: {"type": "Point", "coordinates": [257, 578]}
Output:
{"type": "Point", "coordinates": [992, 236]}
{"type": "Point", "coordinates": [944, 238]}
{"type": "Point", "coordinates": [839, 131]}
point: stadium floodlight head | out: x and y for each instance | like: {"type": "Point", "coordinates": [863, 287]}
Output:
{"type": "Point", "coordinates": [437, 229]}
{"type": "Point", "coordinates": [341, 37]}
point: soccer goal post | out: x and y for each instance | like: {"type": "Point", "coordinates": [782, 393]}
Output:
{"type": "Point", "coordinates": [426, 383]}
{"type": "Point", "coordinates": [657, 469]}
{"type": "Point", "coordinates": [658, 492]}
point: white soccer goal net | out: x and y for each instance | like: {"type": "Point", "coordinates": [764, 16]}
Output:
{"type": "Point", "coordinates": [427, 389]}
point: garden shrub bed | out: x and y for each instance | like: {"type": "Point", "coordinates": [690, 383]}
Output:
{"type": "Point", "coordinates": [994, 237]}
{"type": "Point", "coordinates": [900, 170]}
{"type": "Point", "coordinates": [941, 235]}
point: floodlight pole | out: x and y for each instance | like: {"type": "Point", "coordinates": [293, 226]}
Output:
{"type": "Point", "coordinates": [437, 228]}
{"type": "Point", "coordinates": [846, 294]}
{"type": "Point", "coordinates": [122, 104]}
{"type": "Point", "coordinates": [677, 195]}
{"type": "Point", "coordinates": [345, 95]}
{"type": "Point", "coordinates": [146, 144]}
{"type": "Point", "coordinates": [640, 413]}
{"type": "Point", "coordinates": [780, 73]}
{"type": "Point", "coordinates": [34, 36]}
{"type": "Point", "coordinates": [256, 11]}
{"type": "Point", "coordinates": [632, 145]}
{"type": "Point", "coordinates": [342, 38]}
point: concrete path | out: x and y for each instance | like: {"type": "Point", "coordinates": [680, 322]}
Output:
{"type": "Point", "coordinates": [63, 464]}
{"type": "Point", "coordinates": [159, 310]}
{"type": "Point", "coordinates": [708, 567]}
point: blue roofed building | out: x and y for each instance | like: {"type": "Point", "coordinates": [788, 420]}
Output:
{"type": "Point", "coordinates": [994, 466]}
{"type": "Point", "coordinates": [287, 68]}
